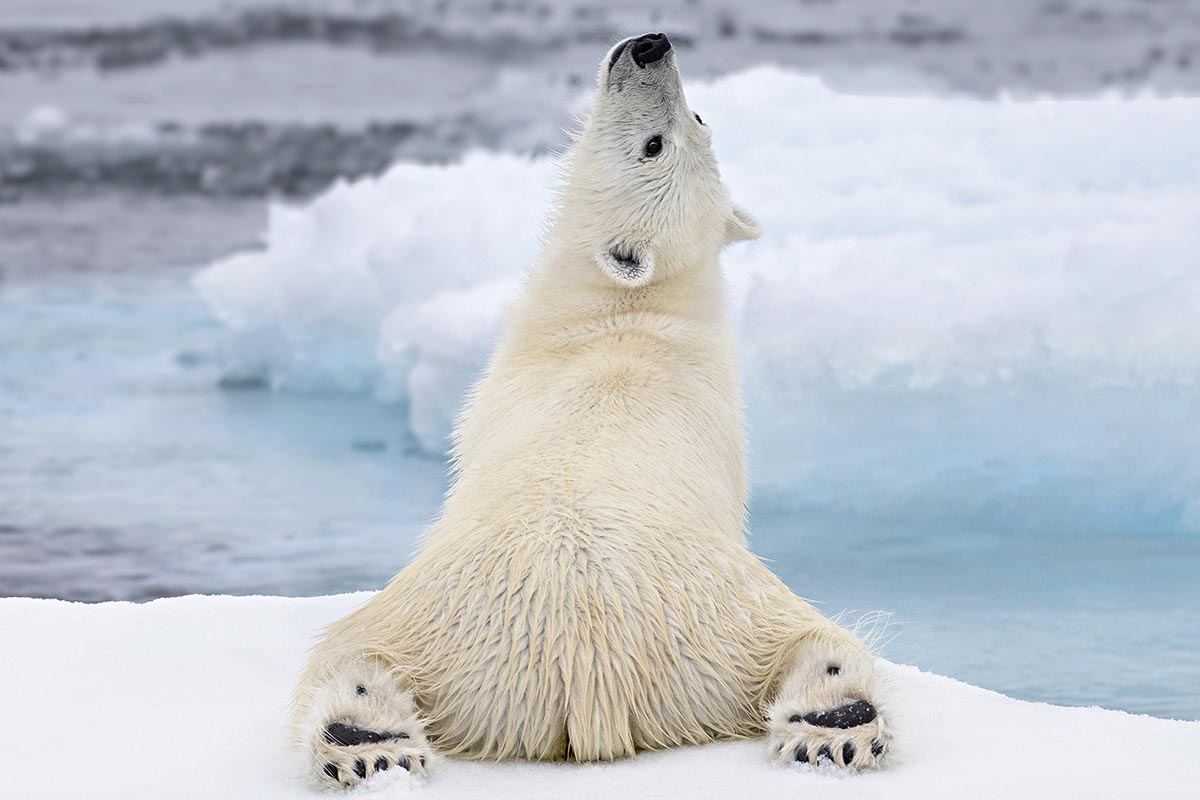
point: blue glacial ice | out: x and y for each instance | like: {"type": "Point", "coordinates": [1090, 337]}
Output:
{"type": "Point", "coordinates": [965, 311]}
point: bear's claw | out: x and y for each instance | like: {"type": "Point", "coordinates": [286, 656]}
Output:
{"type": "Point", "coordinates": [347, 765]}
{"type": "Point", "coordinates": [843, 754]}
{"type": "Point", "coordinates": [351, 768]}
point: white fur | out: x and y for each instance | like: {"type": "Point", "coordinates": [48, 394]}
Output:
{"type": "Point", "coordinates": [587, 591]}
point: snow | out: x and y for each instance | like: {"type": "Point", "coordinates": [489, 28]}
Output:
{"type": "Point", "coordinates": [960, 308]}
{"type": "Point", "coordinates": [186, 698]}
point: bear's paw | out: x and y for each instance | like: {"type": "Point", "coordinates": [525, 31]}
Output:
{"type": "Point", "coordinates": [364, 723]}
{"type": "Point", "coordinates": [851, 736]}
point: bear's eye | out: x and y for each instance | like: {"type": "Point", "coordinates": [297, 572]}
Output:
{"type": "Point", "coordinates": [697, 116]}
{"type": "Point", "coordinates": [653, 146]}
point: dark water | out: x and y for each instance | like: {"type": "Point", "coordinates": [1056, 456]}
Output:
{"type": "Point", "coordinates": [246, 98]}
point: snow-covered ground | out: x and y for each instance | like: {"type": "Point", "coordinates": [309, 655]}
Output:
{"type": "Point", "coordinates": [186, 698]}
{"type": "Point", "coordinates": [959, 308]}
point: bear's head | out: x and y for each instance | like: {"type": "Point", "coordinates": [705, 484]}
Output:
{"type": "Point", "coordinates": [643, 192]}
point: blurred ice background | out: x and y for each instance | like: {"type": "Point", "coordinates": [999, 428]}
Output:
{"type": "Point", "coordinates": [970, 334]}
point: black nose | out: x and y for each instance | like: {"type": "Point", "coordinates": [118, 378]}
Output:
{"type": "Point", "coordinates": [650, 48]}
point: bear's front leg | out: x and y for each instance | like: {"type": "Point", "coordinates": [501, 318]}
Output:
{"type": "Point", "coordinates": [357, 720]}
{"type": "Point", "coordinates": [827, 708]}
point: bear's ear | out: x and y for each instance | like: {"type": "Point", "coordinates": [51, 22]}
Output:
{"type": "Point", "coordinates": [741, 226]}
{"type": "Point", "coordinates": [628, 265]}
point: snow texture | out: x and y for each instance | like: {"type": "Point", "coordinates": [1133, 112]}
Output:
{"type": "Point", "coordinates": [959, 308]}
{"type": "Point", "coordinates": [186, 698]}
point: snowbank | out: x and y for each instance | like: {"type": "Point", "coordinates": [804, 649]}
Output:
{"type": "Point", "coordinates": [959, 308]}
{"type": "Point", "coordinates": [185, 698]}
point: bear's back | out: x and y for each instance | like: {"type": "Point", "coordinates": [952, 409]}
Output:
{"type": "Point", "coordinates": [572, 640]}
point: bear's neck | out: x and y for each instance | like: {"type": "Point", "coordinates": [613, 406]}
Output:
{"type": "Point", "coordinates": [598, 397]}
{"type": "Point", "coordinates": [568, 299]}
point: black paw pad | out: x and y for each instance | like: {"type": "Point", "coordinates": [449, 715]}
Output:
{"type": "Point", "coordinates": [348, 735]}
{"type": "Point", "coordinates": [877, 748]}
{"type": "Point", "coordinates": [833, 669]}
{"type": "Point", "coordinates": [802, 754]}
{"type": "Point", "coordinates": [847, 753]}
{"type": "Point", "coordinates": [825, 752]}
{"type": "Point", "coordinates": [331, 770]}
{"type": "Point", "coordinates": [360, 689]}
{"type": "Point", "coordinates": [381, 764]}
{"type": "Point", "coordinates": [360, 768]}
{"type": "Point", "coordinates": [860, 712]}
{"type": "Point", "coordinates": [404, 764]}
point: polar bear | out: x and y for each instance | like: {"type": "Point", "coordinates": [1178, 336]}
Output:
{"type": "Point", "coordinates": [587, 591]}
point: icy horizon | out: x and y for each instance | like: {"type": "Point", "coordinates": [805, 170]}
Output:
{"type": "Point", "coordinates": [237, 98]}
